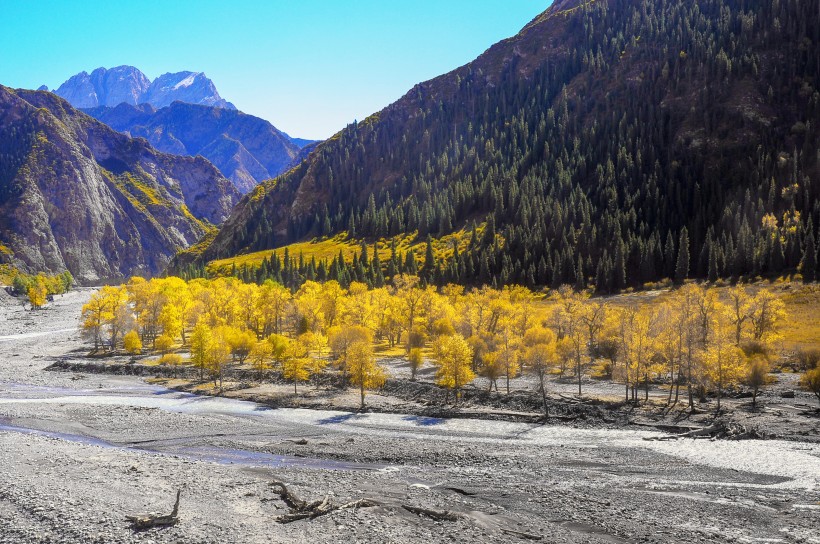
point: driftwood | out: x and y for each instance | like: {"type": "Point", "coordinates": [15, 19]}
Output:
{"type": "Point", "coordinates": [301, 509]}
{"type": "Point", "coordinates": [152, 520]}
{"type": "Point", "coordinates": [728, 431]}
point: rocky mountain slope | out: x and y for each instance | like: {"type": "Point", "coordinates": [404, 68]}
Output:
{"type": "Point", "coordinates": [126, 84]}
{"type": "Point", "coordinates": [610, 142]}
{"type": "Point", "coordinates": [77, 195]}
{"type": "Point", "coordinates": [246, 149]}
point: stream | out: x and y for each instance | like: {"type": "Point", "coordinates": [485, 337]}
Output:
{"type": "Point", "coordinates": [792, 464]}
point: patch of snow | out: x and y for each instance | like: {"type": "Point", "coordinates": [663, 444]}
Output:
{"type": "Point", "coordinates": [187, 82]}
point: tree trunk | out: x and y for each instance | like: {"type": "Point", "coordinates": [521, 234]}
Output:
{"type": "Point", "coordinates": [543, 394]}
{"type": "Point", "coordinates": [578, 370]}
{"type": "Point", "coordinates": [646, 390]}
{"type": "Point", "coordinates": [720, 390]}
{"type": "Point", "coordinates": [361, 390]}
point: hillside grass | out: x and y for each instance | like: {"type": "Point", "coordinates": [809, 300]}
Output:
{"type": "Point", "coordinates": [328, 248]}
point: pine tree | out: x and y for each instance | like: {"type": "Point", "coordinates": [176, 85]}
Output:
{"type": "Point", "coordinates": [682, 266]}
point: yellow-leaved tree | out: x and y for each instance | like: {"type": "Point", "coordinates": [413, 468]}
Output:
{"type": "Point", "coordinates": [37, 293]}
{"type": "Point", "coordinates": [453, 355]}
{"type": "Point", "coordinates": [723, 362]}
{"type": "Point", "coordinates": [362, 368]}
{"type": "Point", "coordinates": [260, 356]}
{"type": "Point", "coordinates": [201, 340]}
{"type": "Point", "coordinates": [540, 357]}
{"type": "Point", "coordinates": [132, 342]}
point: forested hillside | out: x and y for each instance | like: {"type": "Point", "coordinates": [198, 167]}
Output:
{"type": "Point", "coordinates": [609, 143]}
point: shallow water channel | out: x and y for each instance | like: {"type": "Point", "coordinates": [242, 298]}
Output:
{"type": "Point", "coordinates": [792, 464]}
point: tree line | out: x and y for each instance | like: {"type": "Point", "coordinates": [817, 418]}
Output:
{"type": "Point", "coordinates": [693, 341]}
{"type": "Point", "coordinates": [39, 287]}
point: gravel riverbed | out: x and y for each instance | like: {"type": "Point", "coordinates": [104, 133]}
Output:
{"type": "Point", "coordinates": [79, 452]}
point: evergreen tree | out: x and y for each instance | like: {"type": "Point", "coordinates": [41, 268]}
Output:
{"type": "Point", "coordinates": [682, 265]}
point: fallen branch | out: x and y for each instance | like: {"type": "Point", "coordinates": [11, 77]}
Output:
{"type": "Point", "coordinates": [301, 509]}
{"type": "Point", "coordinates": [152, 520]}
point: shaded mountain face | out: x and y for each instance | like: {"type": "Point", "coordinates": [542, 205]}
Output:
{"type": "Point", "coordinates": [603, 143]}
{"type": "Point", "coordinates": [246, 149]}
{"type": "Point", "coordinates": [128, 85]}
{"type": "Point", "coordinates": [77, 195]}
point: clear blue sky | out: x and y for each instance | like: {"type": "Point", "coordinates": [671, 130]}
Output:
{"type": "Point", "coordinates": [308, 66]}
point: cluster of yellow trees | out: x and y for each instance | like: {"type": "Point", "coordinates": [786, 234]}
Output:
{"type": "Point", "coordinates": [39, 287]}
{"type": "Point", "coordinates": [693, 339]}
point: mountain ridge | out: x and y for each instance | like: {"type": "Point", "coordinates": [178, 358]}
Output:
{"type": "Point", "coordinates": [127, 84]}
{"type": "Point", "coordinates": [77, 195]}
{"type": "Point", "coordinates": [605, 142]}
{"type": "Point", "coordinates": [246, 149]}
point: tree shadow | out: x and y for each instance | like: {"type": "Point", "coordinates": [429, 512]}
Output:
{"type": "Point", "coordinates": [424, 421]}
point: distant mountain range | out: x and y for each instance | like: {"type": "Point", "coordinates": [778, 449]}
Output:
{"type": "Point", "coordinates": [183, 114]}
{"type": "Point", "coordinates": [77, 195]}
{"type": "Point", "coordinates": [128, 85]}
{"type": "Point", "coordinates": [246, 149]}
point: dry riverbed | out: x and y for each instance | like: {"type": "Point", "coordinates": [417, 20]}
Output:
{"type": "Point", "coordinates": [79, 452]}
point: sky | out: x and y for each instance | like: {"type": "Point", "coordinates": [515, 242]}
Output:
{"type": "Point", "coordinates": [310, 67]}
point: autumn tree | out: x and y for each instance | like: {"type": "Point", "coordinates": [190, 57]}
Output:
{"type": "Point", "coordinates": [539, 357]}
{"type": "Point", "coordinates": [37, 293]}
{"type": "Point", "coordinates": [570, 312]}
{"type": "Point", "coordinates": [260, 355]}
{"type": "Point", "coordinates": [340, 339]}
{"type": "Point", "coordinates": [453, 356]}
{"type": "Point", "coordinates": [491, 368]}
{"type": "Point", "coordinates": [217, 356]}
{"type": "Point", "coordinates": [93, 315]}
{"type": "Point", "coordinates": [724, 363]}
{"type": "Point", "coordinates": [767, 314]}
{"type": "Point", "coordinates": [363, 370]}
{"type": "Point", "coordinates": [201, 340]}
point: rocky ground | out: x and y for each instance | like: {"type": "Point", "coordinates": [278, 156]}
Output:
{"type": "Point", "coordinates": [79, 452]}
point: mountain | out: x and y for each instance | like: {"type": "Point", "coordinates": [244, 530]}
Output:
{"type": "Point", "coordinates": [612, 143]}
{"type": "Point", "coordinates": [128, 85]}
{"type": "Point", "coordinates": [109, 87]}
{"type": "Point", "coordinates": [246, 149]}
{"type": "Point", "coordinates": [77, 195]}
{"type": "Point", "coordinates": [191, 87]}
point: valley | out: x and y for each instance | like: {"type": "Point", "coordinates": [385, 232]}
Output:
{"type": "Point", "coordinates": [89, 449]}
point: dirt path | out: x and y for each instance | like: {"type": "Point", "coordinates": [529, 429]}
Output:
{"type": "Point", "coordinates": [78, 455]}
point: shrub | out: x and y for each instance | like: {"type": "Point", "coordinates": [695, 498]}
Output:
{"type": "Point", "coordinates": [170, 359]}
{"type": "Point", "coordinates": [811, 382]}
{"type": "Point", "coordinates": [164, 343]}
{"type": "Point", "coordinates": [132, 342]}
{"type": "Point", "coordinates": [808, 359]}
